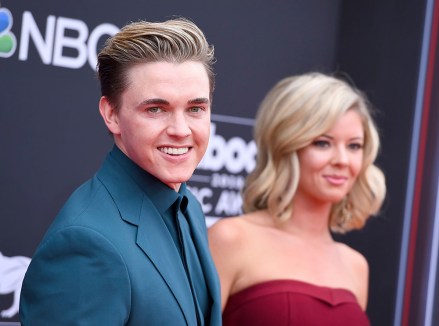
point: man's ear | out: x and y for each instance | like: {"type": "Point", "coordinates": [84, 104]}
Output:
{"type": "Point", "coordinates": [109, 115]}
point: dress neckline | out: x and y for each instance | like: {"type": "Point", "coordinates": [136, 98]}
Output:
{"type": "Point", "coordinates": [332, 296]}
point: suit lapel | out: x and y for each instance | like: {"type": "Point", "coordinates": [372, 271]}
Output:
{"type": "Point", "coordinates": [153, 236]}
{"type": "Point", "coordinates": [156, 242]}
{"type": "Point", "coordinates": [198, 227]}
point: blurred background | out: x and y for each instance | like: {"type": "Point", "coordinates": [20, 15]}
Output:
{"type": "Point", "coordinates": [53, 139]}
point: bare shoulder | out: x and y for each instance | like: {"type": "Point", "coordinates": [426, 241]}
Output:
{"type": "Point", "coordinates": [235, 243]}
{"type": "Point", "coordinates": [358, 269]}
{"type": "Point", "coordinates": [354, 258]}
{"type": "Point", "coordinates": [227, 232]}
{"type": "Point", "coordinates": [227, 242]}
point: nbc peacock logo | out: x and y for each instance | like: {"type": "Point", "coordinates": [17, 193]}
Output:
{"type": "Point", "coordinates": [8, 42]}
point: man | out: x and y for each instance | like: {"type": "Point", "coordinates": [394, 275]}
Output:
{"type": "Point", "coordinates": [130, 246]}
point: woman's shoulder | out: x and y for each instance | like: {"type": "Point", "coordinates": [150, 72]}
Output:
{"type": "Point", "coordinates": [358, 268]}
{"type": "Point", "coordinates": [354, 258]}
{"type": "Point", "coordinates": [227, 230]}
{"type": "Point", "coordinates": [234, 230]}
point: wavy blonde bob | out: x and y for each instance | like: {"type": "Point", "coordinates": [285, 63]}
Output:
{"type": "Point", "coordinates": [295, 111]}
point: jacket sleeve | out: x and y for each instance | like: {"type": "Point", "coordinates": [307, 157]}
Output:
{"type": "Point", "coordinates": [76, 277]}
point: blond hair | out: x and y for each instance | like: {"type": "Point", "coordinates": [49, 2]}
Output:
{"type": "Point", "coordinates": [294, 112]}
{"type": "Point", "coordinates": [175, 40]}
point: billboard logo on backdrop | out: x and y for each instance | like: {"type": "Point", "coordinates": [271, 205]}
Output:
{"type": "Point", "coordinates": [12, 270]}
{"type": "Point", "coordinates": [62, 42]}
{"type": "Point", "coordinates": [8, 42]}
{"type": "Point", "coordinates": [219, 178]}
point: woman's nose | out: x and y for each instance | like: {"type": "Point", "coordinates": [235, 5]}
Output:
{"type": "Point", "coordinates": [340, 156]}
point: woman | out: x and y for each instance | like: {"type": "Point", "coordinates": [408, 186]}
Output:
{"type": "Point", "coordinates": [315, 174]}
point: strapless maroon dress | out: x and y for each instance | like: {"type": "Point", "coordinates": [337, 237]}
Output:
{"type": "Point", "coordinates": [293, 303]}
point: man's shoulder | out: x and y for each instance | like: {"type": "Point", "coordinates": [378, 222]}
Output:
{"type": "Point", "coordinates": [84, 194]}
{"type": "Point", "coordinates": [89, 199]}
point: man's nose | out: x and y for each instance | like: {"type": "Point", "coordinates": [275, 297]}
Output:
{"type": "Point", "coordinates": [178, 125]}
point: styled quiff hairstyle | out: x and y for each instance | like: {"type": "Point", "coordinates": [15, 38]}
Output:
{"type": "Point", "coordinates": [176, 40]}
{"type": "Point", "coordinates": [295, 111]}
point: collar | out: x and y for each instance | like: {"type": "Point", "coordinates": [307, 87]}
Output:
{"type": "Point", "coordinates": [160, 194]}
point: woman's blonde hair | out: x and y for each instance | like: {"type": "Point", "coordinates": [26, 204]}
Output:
{"type": "Point", "coordinates": [294, 112]}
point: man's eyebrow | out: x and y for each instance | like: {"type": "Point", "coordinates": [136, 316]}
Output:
{"type": "Point", "coordinates": [199, 100]}
{"type": "Point", "coordinates": [154, 101]}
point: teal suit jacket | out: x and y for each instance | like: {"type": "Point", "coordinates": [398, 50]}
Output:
{"type": "Point", "coordinates": [109, 259]}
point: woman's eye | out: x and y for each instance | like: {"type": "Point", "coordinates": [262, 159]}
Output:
{"type": "Point", "coordinates": [355, 146]}
{"type": "Point", "coordinates": [321, 143]}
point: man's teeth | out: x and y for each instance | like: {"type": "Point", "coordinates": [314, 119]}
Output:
{"type": "Point", "coordinates": [174, 151]}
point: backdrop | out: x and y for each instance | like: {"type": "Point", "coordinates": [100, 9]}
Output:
{"type": "Point", "coordinates": [53, 138]}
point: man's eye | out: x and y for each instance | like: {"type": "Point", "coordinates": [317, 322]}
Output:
{"type": "Point", "coordinates": [154, 109]}
{"type": "Point", "coordinates": [195, 109]}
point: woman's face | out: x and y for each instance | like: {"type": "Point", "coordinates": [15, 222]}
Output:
{"type": "Point", "coordinates": [330, 165]}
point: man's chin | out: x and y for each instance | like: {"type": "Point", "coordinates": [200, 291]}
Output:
{"type": "Point", "coordinates": [174, 182]}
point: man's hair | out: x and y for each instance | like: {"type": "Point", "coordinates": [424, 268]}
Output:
{"type": "Point", "coordinates": [295, 111]}
{"type": "Point", "coordinates": [176, 40]}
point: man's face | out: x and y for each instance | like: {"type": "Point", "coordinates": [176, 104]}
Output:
{"type": "Point", "coordinates": [163, 124]}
